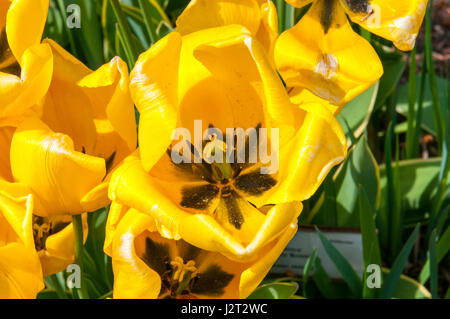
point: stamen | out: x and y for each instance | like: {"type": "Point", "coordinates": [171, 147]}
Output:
{"type": "Point", "coordinates": [183, 273]}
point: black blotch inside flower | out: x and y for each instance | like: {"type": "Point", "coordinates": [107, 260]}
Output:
{"type": "Point", "coordinates": [198, 197]}
{"type": "Point", "coordinates": [358, 6]}
{"type": "Point", "coordinates": [212, 281]}
{"type": "Point", "coordinates": [254, 183]}
{"type": "Point", "coordinates": [157, 257]}
{"type": "Point", "coordinates": [327, 15]}
{"type": "Point", "coordinates": [230, 199]}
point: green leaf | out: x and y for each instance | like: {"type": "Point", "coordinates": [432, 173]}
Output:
{"type": "Point", "coordinates": [390, 283]}
{"type": "Point", "coordinates": [279, 290]}
{"type": "Point", "coordinates": [88, 38]}
{"type": "Point", "coordinates": [442, 249]}
{"type": "Point", "coordinates": [393, 66]}
{"type": "Point", "coordinates": [343, 266]}
{"type": "Point", "coordinates": [433, 264]}
{"type": "Point", "coordinates": [360, 168]}
{"type": "Point", "coordinates": [408, 288]}
{"type": "Point", "coordinates": [371, 247]}
{"type": "Point", "coordinates": [356, 114]}
{"type": "Point", "coordinates": [418, 180]}
{"type": "Point", "coordinates": [326, 287]}
{"type": "Point", "coordinates": [437, 112]}
{"type": "Point", "coordinates": [427, 107]}
{"type": "Point", "coordinates": [307, 270]}
{"type": "Point", "coordinates": [412, 96]}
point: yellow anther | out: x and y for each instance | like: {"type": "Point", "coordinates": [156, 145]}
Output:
{"type": "Point", "coordinates": [41, 229]}
{"type": "Point", "coordinates": [181, 269]}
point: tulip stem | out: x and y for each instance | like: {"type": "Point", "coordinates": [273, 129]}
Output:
{"type": "Point", "coordinates": [78, 234]}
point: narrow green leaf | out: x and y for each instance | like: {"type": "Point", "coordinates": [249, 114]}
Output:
{"type": "Point", "coordinates": [433, 264]}
{"type": "Point", "coordinates": [443, 247]}
{"type": "Point", "coordinates": [147, 15]}
{"type": "Point", "coordinates": [408, 288]}
{"type": "Point", "coordinates": [307, 270]}
{"type": "Point", "coordinates": [396, 221]}
{"type": "Point", "coordinates": [438, 119]}
{"type": "Point", "coordinates": [391, 281]}
{"type": "Point", "coordinates": [125, 33]}
{"type": "Point", "coordinates": [323, 281]}
{"type": "Point", "coordinates": [371, 247]}
{"type": "Point", "coordinates": [289, 16]}
{"type": "Point", "coordinates": [412, 83]}
{"type": "Point", "coordinates": [281, 9]}
{"type": "Point", "coordinates": [389, 208]}
{"type": "Point", "coordinates": [343, 266]}
{"type": "Point", "coordinates": [279, 290]}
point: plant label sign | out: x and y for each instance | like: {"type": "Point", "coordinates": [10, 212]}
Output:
{"type": "Point", "coordinates": [347, 240]}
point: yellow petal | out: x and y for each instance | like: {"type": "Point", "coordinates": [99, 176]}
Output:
{"type": "Point", "coordinates": [306, 160]}
{"type": "Point", "coordinates": [204, 14]}
{"type": "Point", "coordinates": [323, 54]}
{"type": "Point", "coordinates": [253, 90]}
{"type": "Point", "coordinates": [59, 176]}
{"type": "Point", "coordinates": [6, 134]}
{"type": "Point", "coordinates": [62, 112]}
{"type": "Point", "coordinates": [96, 198]}
{"type": "Point", "coordinates": [198, 90]}
{"type": "Point", "coordinates": [131, 186]}
{"type": "Point", "coordinates": [132, 277]}
{"type": "Point", "coordinates": [299, 3]}
{"type": "Point", "coordinates": [252, 277]}
{"type": "Point", "coordinates": [132, 262]}
{"type": "Point", "coordinates": [268, 30]}
{"type": "Point", "coordinates": [108, 91]}
{"type": "Point", "coordinates": [25, 23]}
{"type": "Point", "coordinates": [155, 95]}
{"type": "Point", "coordinates": [59, 247]}
{"type": "Point", "coordinates": [16, 208]}
{"type": "Point", "coordinates": [300, 96]}
{"type": "Point", "coordinates": [19, 96]}
{"type": "Point", "coordinates": [4, 6]}
{"type": "Point", "coordinates": [398, 21]}
{"type": "Point", "coordinates": [20, 270]}
{"type": "Point", "coordinates": [115, 215]}
{"type": "Point", "coordinates": [205, 232]}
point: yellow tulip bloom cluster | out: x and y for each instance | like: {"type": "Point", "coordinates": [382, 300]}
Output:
{"type": "Point", "coordinates": [68, 141]}
{"type": "Point", "coordinates": [63, 130]}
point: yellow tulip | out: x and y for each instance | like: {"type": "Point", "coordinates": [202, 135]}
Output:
{"type": "Point", "coordinates": [147, 265]}
{"type": "Point", "coordinates": [25, 64]}
{"type": "Point", "coordinates": [221, 76]}
{"type": "Point", "coordinates": [20, 270]}
{"type": "Point", "coordinates": [323, 54]}
{"type": "Point", "coordinates": [87, 127]}
{"type": "Point", "coordinates": [258, 16]}
{"type": "Point", "coordinates": [53, 236]}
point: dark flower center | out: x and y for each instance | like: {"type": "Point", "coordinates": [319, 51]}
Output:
{"type": "Point", "coordinates": [180, 277]}
{"type": "Point", "coordinates": [230, 182]}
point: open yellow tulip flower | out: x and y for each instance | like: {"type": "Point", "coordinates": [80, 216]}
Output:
{"type": "Point", "coordinates": [87, 127]}
{"type": "Point", "coordinates": [220, 79]}
{"type": "Point", "coordinates": [20, 270]}
{"type": "Point", "coordinates": [25, 64]}
{"type": "Point", "coordinates": [147, 265]}
{"type": "Point", "coordinates": [323, 54]}
{"type": "Point", "coordinates": [258, 16]}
